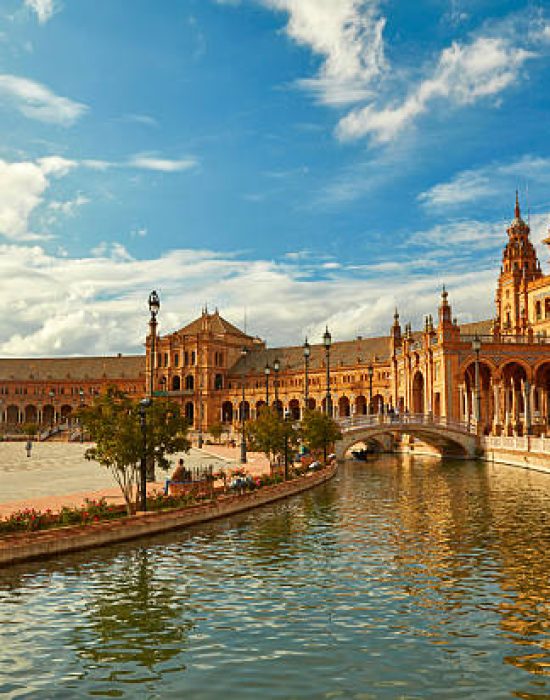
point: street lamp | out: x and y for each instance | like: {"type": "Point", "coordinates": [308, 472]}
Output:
{"type": "Point", "coordinates": [244, 353]}
{"type": "Point", "coordinates": [370, 373]}
{"type": "Point", "coordinates": [81, 397]}
{"type": "Point", "coordinates": [144, 404]}
{"type": "Point", "coordinates": [307, 354]}
{"type": "Point", "coordinates": [267, 372]}
{"type": "Point", "coordinates": [286, 419]}
{"type": "Point", "coordinates": [476, 347]}
{"type": "Point", "coordinates": [154, 307]}
{"type": "Point", "coordinates": [276, 368]}
{"type": "Point", "coordinates": [327, 340]}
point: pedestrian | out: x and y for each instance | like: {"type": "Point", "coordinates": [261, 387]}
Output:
{"type": "Point", "coordinates": [28, 447]}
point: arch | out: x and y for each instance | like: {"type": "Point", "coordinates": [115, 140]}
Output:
{"type": "Point", "coordinates": [48, 415]}
{"type": "Point", "coordinates": [189, 383]}
{"type": "Point", "coordinates": [361, 406]}
{"type": "Point", "coordinates": [66, 411]}
{"type": "Point", "coordinates": [244, 410]}
{"type": "Point", "coordinates": [31, 414]}
{"type": "Point", "coordinates": [311, 403]}
{"type": "Point", "coordinates": [486, 395]}
{"type": "Point", "coordinates": [176, 383]}
{"type": "Point", "coordinates": [190, 412]}
{"type": "Point", "coordinates": [227, 412]}
{"type": "Point", "coordinates": [294, 408]}
{"type": "Point", "coordinates": [418, 392]}
{"type": "Point", "coordinates": [378, 403]}
{"type": "Point", "coordinates": [12, 415]}
{"type": "Point", "coordinates": [446, 440]}
{"type": "Point", "coordinates": [344, 409]}
{"type": "Point", "coordinates": [260, 405]}
{"type": "Point", "coordinates": [278, 406]}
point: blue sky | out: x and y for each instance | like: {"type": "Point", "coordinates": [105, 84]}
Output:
{"type": "Point", "coordinates": [297, 162]}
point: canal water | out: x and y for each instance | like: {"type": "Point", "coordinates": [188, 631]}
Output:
{"type": "Point", "coordinates": [402, 578]}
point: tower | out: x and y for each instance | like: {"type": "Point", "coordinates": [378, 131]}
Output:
{"type": "Point", "coordinates": [520, 266]}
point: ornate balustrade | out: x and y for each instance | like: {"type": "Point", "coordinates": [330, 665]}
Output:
{"type": "Point", "coordinates": [527, 443]}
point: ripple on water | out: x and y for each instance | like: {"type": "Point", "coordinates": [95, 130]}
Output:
{"type": "Point", "coordinates": [399, 579]}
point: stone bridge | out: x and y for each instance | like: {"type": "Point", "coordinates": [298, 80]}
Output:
{"type": "Point", "coordinates": [448, 436]}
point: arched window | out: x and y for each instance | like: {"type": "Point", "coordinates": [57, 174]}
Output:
{"type": "Point", "coordinates": [189, 382]}
{"type": "Point", "coordinates": [189, 412]}
{"type": "Point", "coordinates": [176, 383]}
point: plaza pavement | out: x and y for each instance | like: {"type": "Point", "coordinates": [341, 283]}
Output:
{"type": "Point", "coordinates": [57, 474]}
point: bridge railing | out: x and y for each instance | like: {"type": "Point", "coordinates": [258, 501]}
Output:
{"type": "Point", "coordinates": [526, 443]}
{"type": "Point", "coordinates": [398, 420]}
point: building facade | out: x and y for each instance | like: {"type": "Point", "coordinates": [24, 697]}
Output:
{"type": "Point", "coordinates": [493, 373]}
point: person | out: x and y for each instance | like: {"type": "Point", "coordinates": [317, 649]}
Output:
{"type": "Point", "coordinates": [180, 472]}
{"type": "Point", "coordinates": [28, 447]}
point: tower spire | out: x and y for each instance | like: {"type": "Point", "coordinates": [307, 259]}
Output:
{"type": "Point", "coordinates": [517, 211]}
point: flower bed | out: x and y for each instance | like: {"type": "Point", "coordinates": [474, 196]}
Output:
{"type": "Point", "coordinates": [93, 511]}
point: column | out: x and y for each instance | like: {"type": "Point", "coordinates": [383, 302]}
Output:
{"type": "Point", "coordinates": [496, 396]}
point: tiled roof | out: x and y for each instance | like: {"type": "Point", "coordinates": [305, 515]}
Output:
{"type": "Point", "coordinates": [130, 367]}
{"type": "Point", "coordinates": [214, 324]}
{"type": "Point", "coordinates": [342, 354]}
{"type": "Point", "coordinates": [479, 327]}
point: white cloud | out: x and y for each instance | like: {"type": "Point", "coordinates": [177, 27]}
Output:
{"type": "Point", "coordinates": [98, 304]}
{"type": "Point", "coordinates": [464, 74]}
{"type": "Point", "coordinates": [165, 165]}
{"type": "Point", "coordinates": [348, 36]}
{"type": "Point", "coordinates": [69, 207]}
{"type": "Point", "coordinates": [44, 9]}
{"type": "Point", "coordinates": [488, 181]}
{"type": "Point", "coordinates": [37, 101]}
{"type": "Point", "coordinates": [22, 186]}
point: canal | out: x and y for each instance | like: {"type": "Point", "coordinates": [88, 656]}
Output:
{"type": "Point", "coordinates": [402, 578]}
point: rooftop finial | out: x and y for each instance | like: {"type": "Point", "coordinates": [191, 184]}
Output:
{"type": "Point", "coordinates": [517, 212]}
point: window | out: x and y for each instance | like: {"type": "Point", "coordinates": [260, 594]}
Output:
{"type": "Point", "coordinates": [193, 358]}
{"type": "Point", "coordinates": [189, 382]}
{"type": "Point", "coordinates": [218, 382]}
{"type": "Point", "coordinates": [176, 359]}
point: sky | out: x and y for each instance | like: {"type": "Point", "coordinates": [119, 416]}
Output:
{"type": "Point", "coordinates": [294, 163]}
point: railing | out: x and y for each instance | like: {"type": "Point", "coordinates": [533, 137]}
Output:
{"type": "Point", "coordinates": [527, 443]}
{"type": "Point", "coordinates": [397, 420]}
{"type": "Point", "coordinates": [505, 339]}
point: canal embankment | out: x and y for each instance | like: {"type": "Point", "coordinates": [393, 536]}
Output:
{"type": "Point", "coordinates": [50, 543]}
{"type": "Point", "coordinates": [527, 452]}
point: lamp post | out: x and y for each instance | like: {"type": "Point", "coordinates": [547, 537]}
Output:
{"type": "Point", "coordinates": [144, 404]}
{"type": "Point", "coordinates": [81, 397]}
{"type": "Point", "coordinates": [267, 372]}
{"type": "Point", "coordinates": [286, 419]}
{"type": "Point", "coordinates": [327, 340]}
{"type": "Point", "coordinates": [476, 347]}
{"type": "Point", "coordinates": [307, 354]}
{"type": "Point", "coordinates": [370, 373]}
{"type": "Point", "coordinates": [276, 368]}
{"type": "Point", "coordinates": [244, 353]}
{"type": "Point", "coordinates": [154, 307]}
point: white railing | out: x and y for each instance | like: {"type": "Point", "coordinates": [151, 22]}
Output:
{"type": "Point", "coordinates": [527, 443]}
{"type": "Point", "coordinates": [401, 420]}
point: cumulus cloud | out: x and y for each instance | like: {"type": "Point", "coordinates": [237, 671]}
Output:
{"type": "Point", "coordinates": [98, 304]}
{"type": "Point", "coordinates": [464, 74]}
{"type": "Point", "coordinates": [36, 101]}
{"type": "Point", "coordinates": [44, 9]}
{"type": "Point", "coordinates": [22, 188]}
{"type": "Point", "coordinates": [348, 35]}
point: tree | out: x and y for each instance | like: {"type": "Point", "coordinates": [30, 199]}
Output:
{"type": "Point", "coordinates": [270, 434]}
{"type": "Point", "coordinates": [217, 430]}
{"type": "Point", "coordinates": [113, 422]}
{"type": "Point", "coordinates": [30, 429]}
{"type": "Point", "coordinates": [319, 431]}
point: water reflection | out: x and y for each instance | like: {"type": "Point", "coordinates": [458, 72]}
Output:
{"type": "Point", "coordinates": [401, 578]}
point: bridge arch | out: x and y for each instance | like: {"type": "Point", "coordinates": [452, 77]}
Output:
{"type": "Point", "coordinates": [446, 437]}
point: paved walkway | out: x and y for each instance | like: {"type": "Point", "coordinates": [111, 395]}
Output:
{"type": "Point", "coordinates": [57, 474]}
